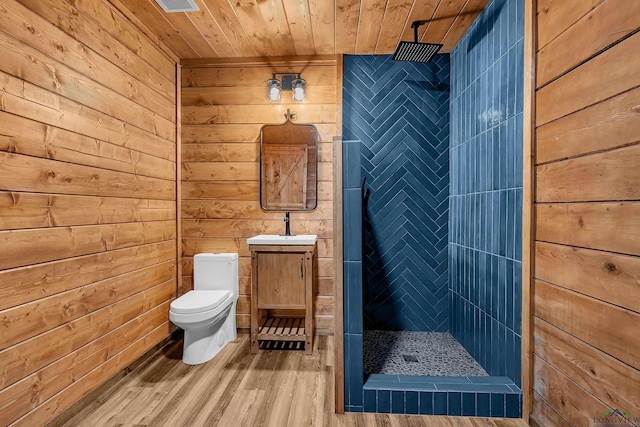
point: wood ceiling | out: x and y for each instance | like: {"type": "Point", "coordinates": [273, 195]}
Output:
{"type": "Point", "coordinates": [267, 28]}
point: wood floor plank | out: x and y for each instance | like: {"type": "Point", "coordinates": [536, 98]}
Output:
{"type": "Point", "coordinates": [237, 388]}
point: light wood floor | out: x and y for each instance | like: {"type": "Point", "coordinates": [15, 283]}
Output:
{"type": "Point", "coordinates": [236, 388]}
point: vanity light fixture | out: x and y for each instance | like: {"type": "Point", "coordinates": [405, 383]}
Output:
{"type": "Point", "coordinates": [288, 81]}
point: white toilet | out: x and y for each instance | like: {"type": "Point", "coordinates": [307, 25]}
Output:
{"type": "Point", "coordinates": [208, 313]}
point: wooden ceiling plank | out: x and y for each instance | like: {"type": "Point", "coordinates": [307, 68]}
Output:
{"type": "Point", "coordinates": [119, 26]}
{"type": "Point", "coordinates": [174, 28]}
{"type": "Point", "coordinates": [446, 14]}
{"type": "Point", "coordinates": [463, 21]}
{"type": "Point", "coordinates": [393, 23]}
{"type": "Point", "coordinates": [299, 20]}
{"type": "Point", "coordinates": [234, 28]}
{"type": "Point", "coordinates": [347, 16]}
{"type": "Point", "coordinates": [371, 14]}
{"type": "Point", "coordinates": [123, 9]}
{"type": "Point", "coordinates": [323, 23]}
{"type": "Point", "coordinates": [277, 27]}
{"type": "Point", "coordinates": [251, 21]}
{"type": "Point", "coordinates": [210, 28]}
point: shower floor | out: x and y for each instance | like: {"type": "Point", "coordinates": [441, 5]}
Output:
{"type": "Point", "coordinates": [417, 353]}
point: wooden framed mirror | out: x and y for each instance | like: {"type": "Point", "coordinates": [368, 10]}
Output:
{"type": "Point", "coordinates": [288, 166]}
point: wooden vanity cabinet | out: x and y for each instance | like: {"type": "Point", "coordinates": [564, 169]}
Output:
{"type": "Point", "coordinates": [282, 281]}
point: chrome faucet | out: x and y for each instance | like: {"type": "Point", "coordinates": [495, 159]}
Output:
{"type": "Point", "coordinates": [287, 221]}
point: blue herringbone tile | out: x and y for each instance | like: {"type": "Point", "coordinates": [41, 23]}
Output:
{"type": "Point", "coordinates": [400, 112]}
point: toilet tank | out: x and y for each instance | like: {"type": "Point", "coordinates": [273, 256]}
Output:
{"type": "Point", "coordinates": [215, 272]}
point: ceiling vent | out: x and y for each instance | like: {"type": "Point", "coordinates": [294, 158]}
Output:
{"type": "Point", "coordinates": [178, 5]}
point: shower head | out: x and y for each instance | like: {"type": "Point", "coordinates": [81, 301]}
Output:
{"type": "Point", "coordinates": [415, 51]}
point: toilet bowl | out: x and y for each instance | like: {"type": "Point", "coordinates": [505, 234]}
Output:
{"type": "Point", "coordinates": [208, 313]}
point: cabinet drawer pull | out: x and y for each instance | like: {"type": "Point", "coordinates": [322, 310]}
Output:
{"type": "Point", "coordinates": [302, 268]}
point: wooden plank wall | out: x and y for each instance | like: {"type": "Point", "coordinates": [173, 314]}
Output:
{"type": "Point", "coordinates": [87, 201]}
{"type": "Point", "coordinates": [587, 227]}
{"type": "Point", "coordinates": [224, 105]}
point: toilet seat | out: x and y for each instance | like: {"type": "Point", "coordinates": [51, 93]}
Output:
{"type": "Point", "coordinates": [196, 304]}
{"type": "Point", "coordinates": [198, 301]}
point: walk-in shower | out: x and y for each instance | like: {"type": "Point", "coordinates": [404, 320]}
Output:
{"type": "Point", "coordinates": [432, 226]}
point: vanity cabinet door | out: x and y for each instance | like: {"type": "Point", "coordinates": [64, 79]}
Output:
{"type": "Point", "coordinates": [281, 280]}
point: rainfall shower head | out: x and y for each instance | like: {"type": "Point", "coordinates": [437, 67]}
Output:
{"type": "Point", "coordinates": [416, 51]}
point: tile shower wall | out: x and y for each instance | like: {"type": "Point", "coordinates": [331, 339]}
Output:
{"type": "Point", "coordinates": [400, 113]}
{"type": "Point", "coordinates": [486, 189]}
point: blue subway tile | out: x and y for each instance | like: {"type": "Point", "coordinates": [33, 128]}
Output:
{"type": "Point", "coordinates": [352, 234]}
{"type": "Point", "coordinates": [353, 297]}
{"type": "Point", "coordinates": [501, 312]}
{"type": "Point", "coordinates": [426, 403]}
{"type": "Point", "coordinates": [351, 164]}
{"type": "Point", "coordinates": [483, 405]}
{"type": "Point", "coordinates": [397, 402]}
{"type": "Point", "coordinates": [500, 380]}
{"type": "Point", "coordinates": [454, 403]}
{"type": "Point", "coordinates": [497, 405]}
{"type": "Point", "coordinates": [494, 388]}
{"type": "Point", "coordinates": [502, 232]}
{"type": "Point", "coordinates": [519, 71]}
{"type": "Point", "coordinates": [411, 402]}
{"type": "Point", "coordinates": [439, 403]}
{"type": "Point", "coordinates": [468, 404]}
{"type": "Point", "coordinates": [503, 352]}
{"type": "Point", "coordinates": [495, 348]}
{"type": "Point", "coordinates": [434, 379]}
{"type": "Point", "coordinates": [382, 378]}
{"type": "Point", "coordinates": [354, 374]}
{"type": "Point", "coordinates": [513, 405]}
{"type": "Point", "coordinates": [511, 363]}
{"type": "Point", "coordinates": [511, 81]}
{"type": "Point", "coordinates": [384, 401]}
{"type": "Point", "coordinates": [517, 357]}
{"type": "Point", "coordinates": [517, 297]}
{"type": "Point", "coordinates": [517, 254]}
{"type": "Point", "coordinates": [482, 349]}
{"type": "Point", "coordinates": [495, 277]}
{"type": "Point", "coordinates": [370, 402]}
{"type": "Point", "coordinates": [510, 296]}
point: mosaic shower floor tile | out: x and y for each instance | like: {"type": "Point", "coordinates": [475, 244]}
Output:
{"type": "Point", "coordinates": [417, 353]}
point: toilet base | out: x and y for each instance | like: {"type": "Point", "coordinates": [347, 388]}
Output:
{"type": "Point", "coordinates": [203, 344]}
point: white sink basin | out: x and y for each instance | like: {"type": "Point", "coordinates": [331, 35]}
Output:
{"type": "Point", "coordinates": [276, 239]}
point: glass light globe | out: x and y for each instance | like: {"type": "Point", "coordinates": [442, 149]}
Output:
{"type": "Point", "coordinates": [273, 90]}
{"type": "Point", "coordinates": [298, 89]}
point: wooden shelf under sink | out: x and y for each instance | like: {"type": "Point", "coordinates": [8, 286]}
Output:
{"type": "Point", "coordinates": [282, 280]}
{"type": "Point", "coordinates": [282, 329]}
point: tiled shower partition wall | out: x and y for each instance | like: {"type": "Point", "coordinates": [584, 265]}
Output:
{"type": "Point", "coordinates": [496, 34]}
{"type": "Point", "coordinates": [485, 236]}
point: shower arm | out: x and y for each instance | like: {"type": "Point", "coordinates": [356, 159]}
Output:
{"type": "Point", "coordinates": [415, 25]}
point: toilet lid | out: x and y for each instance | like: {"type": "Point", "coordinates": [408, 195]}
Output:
{"type": "Point", "coordinates": [198, 301]}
